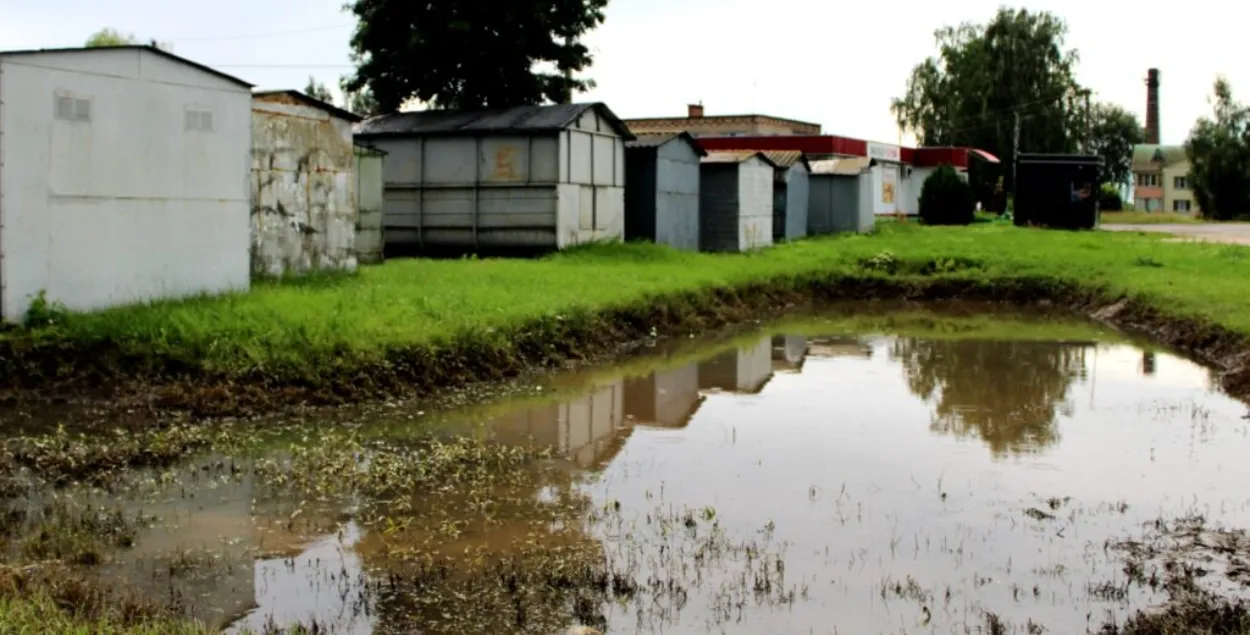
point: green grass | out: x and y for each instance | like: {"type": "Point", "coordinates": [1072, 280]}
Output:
{"type": "Point", "coordinates": [42, 615]}
{"type": "Point", "coordinates": [1148, 218]}
{"type": "Point", "coordinates": [342, 322]}
{"type": "Point", "coordinates": [38, 613]}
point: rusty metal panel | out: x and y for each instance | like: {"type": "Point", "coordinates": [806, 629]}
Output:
{"type": "Point", "coordinates": [505, 159]}
{"type": "Point", "coordinates": [304, 210]}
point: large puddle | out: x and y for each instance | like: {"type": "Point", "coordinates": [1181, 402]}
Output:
{"type": "Point", "coordinates": [788, 482]}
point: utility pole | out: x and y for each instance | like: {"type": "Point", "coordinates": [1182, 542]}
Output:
{"type": "Point", "coordinates": [1015, 151]}
{"type": "Point", "coordinates": [1088, 130]}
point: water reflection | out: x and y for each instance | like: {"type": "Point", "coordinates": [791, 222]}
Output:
{"type": "Point", "coordinates": [584, 429]}
{"type": "Point", "coordinates": [746, 369]}
{"type": "Point", "coordinates": [785, 484]}
{"type": "Point", "coordinates": [789, 352]}
{"type": "Point", "coordinates": [666, 399]}
{"type": "Point", "coordinates": [1005, 393]}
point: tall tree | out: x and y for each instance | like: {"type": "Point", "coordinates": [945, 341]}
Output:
{"type": "Point", "coordinates": [1113, 133]}
{"type": "Point", "coordinates": [318, 90]}
{"type": "Point", "coordinates": [1219, 157]}
{"type": "Point", "coordinates": [974, 394]}
{"type": "Point", "coordinates": [984, 75]}
{"type": "Point", "coordinates": [472, 54]}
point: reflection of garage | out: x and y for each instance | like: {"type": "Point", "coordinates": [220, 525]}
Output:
{"type": "Point", "coordinates": [744, 370]}
{"type": "Point", "coordinates": [580, 428]}
{"type": "Point", "coordinates": [667, 398]}
{"type": "Point", "coordinates": [789, 352]}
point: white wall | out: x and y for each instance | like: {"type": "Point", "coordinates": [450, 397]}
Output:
{"type": "Point", "coordinates": [592, 192]}
{"type": "Point", "coordinates": [755, 204]}
{"type": "Point", "coordinates": [884, 174]}
{"type": "Point", "coordinates": [915, 184]}
{"type": "Point", "coordinates": [130, 205]}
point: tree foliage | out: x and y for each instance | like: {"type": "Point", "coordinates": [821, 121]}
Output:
{"type": "Point", "coordinates": [1011, 412]}
{"type": "Point", "coordinates": [1109, 199]}
{"type": "Point", "coordinates": [317, 90]}
{"type": "Point", "coordinates": [1218, 149]}
{"type": "Point", "coordinates": [946, 199]}
{"type": "Point", "coordinates": [985, 74]}
{"type": "Point", "coordinates": [1113, 133]}
{"type": "Point", "coordinates": [109, 36]}
{"type": "Point", "coordinates": [471, 54]}
{"type": "Point", "coordinates": [360, 101]}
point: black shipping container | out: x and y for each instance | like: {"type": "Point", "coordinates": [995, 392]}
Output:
{"type": "Point", "coordinates": [1057, 190]}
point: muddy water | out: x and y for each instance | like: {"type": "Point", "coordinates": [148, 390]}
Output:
{"type": "Point", "coordinates": [786, 484]}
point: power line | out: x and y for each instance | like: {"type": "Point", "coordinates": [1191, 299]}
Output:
{"type": "Point", "coordinates": [281, 65]}
{"type": "Point", "coordinates": [254, 36]}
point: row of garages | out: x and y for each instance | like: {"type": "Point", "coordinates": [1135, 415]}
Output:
{"type": "Point", "coordinates": [129, 174]}
{"type": "Point", "coordinates": [545, 177]}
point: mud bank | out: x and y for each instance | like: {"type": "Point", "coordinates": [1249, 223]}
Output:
{"type": "Point", "coordinates": [45, 373]}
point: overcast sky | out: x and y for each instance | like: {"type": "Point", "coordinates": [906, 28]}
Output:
{"type": "Point", "coordinates": [837, 64]}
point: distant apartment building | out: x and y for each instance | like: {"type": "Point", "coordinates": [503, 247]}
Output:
{"type": "Point", "coordinates": [700, 125]}
{"type": "Point", "coordinates": [1161, 179]}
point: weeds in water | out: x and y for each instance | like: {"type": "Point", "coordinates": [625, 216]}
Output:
{"type": "Point", "coordinates": [68, 532]}
{"type": "Point", "coordinates": [61, 457]}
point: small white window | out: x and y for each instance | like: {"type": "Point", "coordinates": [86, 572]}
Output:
{"type": "Point", "coordinates": [201, 120]}
{"type": "Point", "coordinates": [1180, 205]}
{"type": "Point", "coordinates": [73, 108]}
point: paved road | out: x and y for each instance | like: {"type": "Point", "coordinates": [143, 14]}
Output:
{"type": "Point", "coordinates": [1235, 233]}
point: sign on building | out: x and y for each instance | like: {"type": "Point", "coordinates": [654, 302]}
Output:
{"type": "Point", "coordinates": [883, 152]}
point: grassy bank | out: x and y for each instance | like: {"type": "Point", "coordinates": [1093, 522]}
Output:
{"type": "Point", "coordinates": [463, 318]}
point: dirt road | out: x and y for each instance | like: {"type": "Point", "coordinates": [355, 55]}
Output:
{"type": "Point", "coordinates": [1234, 233]}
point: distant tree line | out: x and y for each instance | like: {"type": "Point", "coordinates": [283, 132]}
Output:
{"type": "Point", "coordinates": [1014, 69]}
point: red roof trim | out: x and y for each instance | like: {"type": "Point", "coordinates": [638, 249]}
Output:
{"type": "Point", "coordinates": [984, 156]}
{"type": "Point", "coordinates": [829, 144]}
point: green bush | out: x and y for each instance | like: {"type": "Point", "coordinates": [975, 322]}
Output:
{"type": "Point", "coordinates": [946, 199]}
{"type": "Point", "coordinates": [1109, 199]}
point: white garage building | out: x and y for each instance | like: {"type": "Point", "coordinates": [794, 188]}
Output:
{"type": "Point", "coordinates": [123, 178]}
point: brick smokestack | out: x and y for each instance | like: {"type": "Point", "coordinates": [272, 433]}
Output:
{"type": "Point", "coordinates": [694, 111]}
{"type": "Point", "coordinates": [1152, 106]}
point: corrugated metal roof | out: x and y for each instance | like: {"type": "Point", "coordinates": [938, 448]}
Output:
{"type": "Point", "coordinates": [846, 166]}
{"type": "Point", "coordinates": [132, 47]}
{"type": "Point", "coordinates": [657, 140]}
{"type": "Point", "coordinates": [536, 118]}
{"type": "Point", "coordinates": [307, 100]}
{"type": "Point", "coordinates": [736, 156]}
{"type": "Point", "coordinates": [780, 158]}
{"type": "Point", "coordinates": [651, 140]}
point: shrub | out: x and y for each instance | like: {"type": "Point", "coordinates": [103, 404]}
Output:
{"type": "Point", "coordinates": [1109, 199]}
{"type": "Point", "coordinates": [946, 199]}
